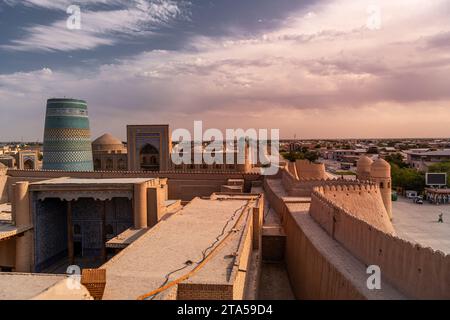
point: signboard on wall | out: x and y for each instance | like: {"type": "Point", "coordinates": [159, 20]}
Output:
{"type": "Point", "coordinates": [436, 179]}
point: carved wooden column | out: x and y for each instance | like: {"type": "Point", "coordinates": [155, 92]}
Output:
{"type": "Point", "coordinates": [140, 205]}
{"type": "Point", "coordinates": [70, 248]}
{"type": "Point", "coordinates": [104, 231]}
{"type": "Point", "coordinates": [22, 218]}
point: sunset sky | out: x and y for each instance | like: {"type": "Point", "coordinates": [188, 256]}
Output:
{"type": "Point", "coordinates": [317, 69]}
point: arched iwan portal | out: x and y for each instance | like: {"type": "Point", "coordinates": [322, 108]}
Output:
{"type": "Point", "coordinates": [149, 158]}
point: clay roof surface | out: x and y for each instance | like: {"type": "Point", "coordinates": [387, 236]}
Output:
{"type": "Point", "coordinates": [18, 286]}
{"type": "Point", "coordinates": [144, 265]}
{"type": "Point", "coordinates": [7, 230]}
{"type": "Point", "coordinates": [445, 152]}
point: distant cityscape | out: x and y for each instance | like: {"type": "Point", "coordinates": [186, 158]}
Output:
{"type": "Point", "coordinates": [338, 155]}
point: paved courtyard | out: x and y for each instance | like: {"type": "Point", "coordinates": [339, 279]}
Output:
{"type": "Point", "coordinates": [274, 284]}
{"type": "Point", "coordinates": [418, 224]}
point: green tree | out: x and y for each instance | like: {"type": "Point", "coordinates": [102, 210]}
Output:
{"type": "Point", "coordinates": [407, 178]}
{"type": "Point", "coordinates": [397, 159]}
{"type": "Point", "coordinates": [312, 156]}
{"type": "Point", "coordinates": [293, 155]}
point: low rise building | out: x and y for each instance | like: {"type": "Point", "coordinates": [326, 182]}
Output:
{"type": "Point", "coordinates": [109, 154]}
{"type": "Point", "coordinates": [207, 250]}
{"type": "Point", "coordinates": [422, 159]}
{"type": "Point", "coordinates": [59, 222]}
{"type": "Point", "coordinates": [341, 154]}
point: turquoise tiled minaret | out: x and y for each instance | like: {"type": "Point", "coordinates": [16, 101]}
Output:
{"type": "Point", "coordinates": [67, 137]}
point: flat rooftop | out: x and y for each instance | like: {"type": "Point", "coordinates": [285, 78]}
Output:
{"type": "Point", "coordinates": [7, 229]}
{"type": "Point", "coordinates": [438, 153]}
{"type": "Point", "coordinates": [24, 286]}
{"type": "Point", "coordinates": [68, 187]}
{"type": "Point", "coordinates": [126, 238]}
{"type": "Point", "coordinates": [175, 246]}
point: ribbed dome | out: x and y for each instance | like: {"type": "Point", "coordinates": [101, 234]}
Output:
{"type": "Point", "coordinates": [106, 139]}
{"type": "Point", "coordinates": [380, 169]}
{"type": "Point", "coordinates": [364, 161]}
{"type": "Point", "coordinates": [363, 167]}
{"type": "Point", "coordinates": [108, 143]}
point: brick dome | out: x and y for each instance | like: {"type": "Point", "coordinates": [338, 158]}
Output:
{"type": "Point", "coordinates": [107, 142]}
{"type": "Point", "coordinates": [380, 169]}
{"type": "Point", "coordinates": [364, 161]}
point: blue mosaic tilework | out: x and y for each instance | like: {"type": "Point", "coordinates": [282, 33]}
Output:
{"type": "Point", "coordinates": [67, 137]}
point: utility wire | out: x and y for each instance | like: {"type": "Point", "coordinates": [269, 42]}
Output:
{"type": "Point", "coordinates": [204, 252]}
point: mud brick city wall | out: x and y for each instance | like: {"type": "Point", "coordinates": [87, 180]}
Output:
{"type": "Point", "coordinates": [415, 271]}
{"type": "Point", "coordinates": [304, 187]}
{"type": "Point", "coordinates": [362, 200]}
{"type": "Point", "coordinates": [303, 259]}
